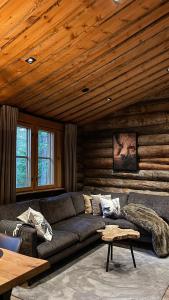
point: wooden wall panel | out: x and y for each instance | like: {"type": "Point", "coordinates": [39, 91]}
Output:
{"type": "Point", "coordinates": [152, 128]}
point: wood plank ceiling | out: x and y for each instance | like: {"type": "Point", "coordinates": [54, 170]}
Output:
{"type": "Point", "coordinates": [118, 50]}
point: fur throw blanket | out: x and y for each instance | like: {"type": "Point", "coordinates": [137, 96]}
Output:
{"type": "Point", "coordinates": [148, 219]}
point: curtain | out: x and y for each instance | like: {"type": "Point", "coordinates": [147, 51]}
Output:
{"type": "Point", "coordinates": [70, 145]}
{"type": "Point", "coordinates": [8, 123]}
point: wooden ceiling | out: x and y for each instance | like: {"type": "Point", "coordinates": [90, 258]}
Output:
{"type": "Point", "coordinates": [118, 50]}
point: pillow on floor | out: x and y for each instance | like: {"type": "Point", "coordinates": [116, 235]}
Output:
{"type": "Point", "coordinates": [110, 207]}
{"type": "Point", "coordinates": [96, 203]}
{"type": "Point", "coordinates": [88, 204]}
{"type": "Point", "coordinates": [43, 228]}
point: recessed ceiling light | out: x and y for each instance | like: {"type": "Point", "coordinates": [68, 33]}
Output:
{"type": "Point", "coordinates": [109, 99]}
{"type": "Point", "coordinates": [85, 90]}
{"type": "Point", "coordinates": [116, 1]}
{"type": "Point", "coordinates": [167, 69]}
{"type": "Point", "coordinates": [30, 60]}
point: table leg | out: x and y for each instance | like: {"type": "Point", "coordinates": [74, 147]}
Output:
{"type": "Point", "coordinates": [6, 296]}
{"type": "Point", "coordinates": [111, 253]}
{"type": "Point", "coordinates": [132, 254]}
{"type": "Point", "coordinates": [108, 256]}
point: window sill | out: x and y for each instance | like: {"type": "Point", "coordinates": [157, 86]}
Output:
{"type": "Point", "coordinates": [39, 191]}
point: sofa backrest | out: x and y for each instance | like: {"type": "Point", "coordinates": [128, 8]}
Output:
{"type": "Point", "coordinates": [123, 197]}
{"type": "Point", "coordinates": [57, 208]}
{"type": "Point", "coordinates": [78, 202]}
{"type": "Point", "coordinates": [158, 203]}
{"type": "Point", "coordinates": [12, 211]}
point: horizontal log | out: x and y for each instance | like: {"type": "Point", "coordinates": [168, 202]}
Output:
{"type": "Point", "coordinates": [143, 152]}
{"type": "Point", "coordinates": [155, 139]}
{"type": "Point", "coordinates": [142, 174]}
{"type": "Point", "coordinates": [103, 152]}
{"type": "Point", "coordinates": [90, 146]}
{"type": "Point", "coordinates": [99, 163]}
{"type": "Point", "coordinates": [144, 107]}
{"type": "Point", "coordinates": [158, 160]}
{"type": "Point", "coordinates": [80, 166]}
{"type": "Point", "coordinates": [153, 166]}
{"type": "Point", "coordinates": [98, 140]}
{"type": "Point", "coordinates": [79, 148]}
{"type": "Point", "coordinates": [130, 121]}
{"type": "Point", "coordinates": [123, 190]}
{"type": "Point", "coordinates": [141, 120]}
{"type": "Point", "coordinates": [153, 151]}
{"type": "Point", "coordinates": [80, 176]}
{"type": "Point", "coordinates": [126, 183]}
{"type": "Point", "coordinates": [96, 133]}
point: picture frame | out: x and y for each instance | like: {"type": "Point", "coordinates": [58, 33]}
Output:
{"type": "Point", "coordinates": [125, 152]}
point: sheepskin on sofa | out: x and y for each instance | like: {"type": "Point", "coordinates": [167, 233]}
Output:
{"type": "Point", "coordinates": [148, 219]}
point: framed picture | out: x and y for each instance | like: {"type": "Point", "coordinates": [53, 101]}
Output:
{"type": "Point", "coordinates": [125, 152]}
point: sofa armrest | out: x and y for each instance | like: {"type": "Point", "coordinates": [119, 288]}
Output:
{"type": "Point", "coordinates": [29, 241]}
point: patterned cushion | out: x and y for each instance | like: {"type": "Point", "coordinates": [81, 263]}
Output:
{"type": "Point", "coordinates": [96, 203]}
{"type": "Point", "coordinates": [88, 204]}
{"type": "Point", "coordinates": [110, 207]}
{"type": "Point", "coordinates": [43, 228]}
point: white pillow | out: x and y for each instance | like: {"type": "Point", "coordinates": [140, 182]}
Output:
{"type": "Point", "coordinates": [24, 216]}
{"type": "Point", "coordinates": [110, 207]}
{"type": "Point", "coordinates": [43, 228]}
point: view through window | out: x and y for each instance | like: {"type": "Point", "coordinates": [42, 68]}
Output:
{"type": "Point", "coordinates": [23, 157]}
{"type": "Point", "coordinates": [45, 158]}
{"type": "Point", "coordinates": [34, 147]}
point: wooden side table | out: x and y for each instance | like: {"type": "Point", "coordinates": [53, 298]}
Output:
{"type": "Point", "coordinates": [112, 233]}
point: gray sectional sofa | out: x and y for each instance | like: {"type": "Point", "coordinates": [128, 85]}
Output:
{"type": "Point", "coordinates": [72, 228]}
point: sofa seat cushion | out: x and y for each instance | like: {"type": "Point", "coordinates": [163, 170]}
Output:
{"type": "Point", "coordinates": [83, 227]}
{"type": "Point", "coordinates": [57, 208]}
{"type": "Point", "coordinates": [59, 242]}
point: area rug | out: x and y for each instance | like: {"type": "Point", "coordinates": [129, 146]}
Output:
{"type": "Point", "coordinates": [86, 278]}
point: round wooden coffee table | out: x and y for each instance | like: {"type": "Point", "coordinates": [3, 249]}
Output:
{"type": "Point", "coordinates": [112, 233]}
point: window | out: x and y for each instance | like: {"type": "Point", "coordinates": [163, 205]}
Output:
{"type": "Point", "coordinates": [38, 154]}
{"type": "Point", "coordinates": [23, 157]}
{"type": "Point", "coordinates": [45, 158]}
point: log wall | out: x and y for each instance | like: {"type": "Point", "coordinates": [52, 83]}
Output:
{"type": "Point", "coordinates": [151, 123]}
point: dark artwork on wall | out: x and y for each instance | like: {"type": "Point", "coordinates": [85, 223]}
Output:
{"type": "Point", "coordinates": [125, 152]}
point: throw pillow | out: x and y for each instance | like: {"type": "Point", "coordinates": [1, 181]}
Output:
{"type": "Point", "coordinates": [96, 206]}
{"type": "Point", "coordinates": [110, 207]}
{"type": "Point", "coordinates": [96, 203]}
{"type": "Point", "coordinates": [43, 228]}
{"type": "Point", "coordinates": [24, 216]}
{"type": "Point", "coordinates": [88, 204]}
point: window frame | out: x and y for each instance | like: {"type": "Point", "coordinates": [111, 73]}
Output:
{"type": "Point", "coordinates": [28, 188]}
{"type": "Point", "coordinates": [49, 186]}
{"type": "Point", "coordinates": [36, 124]}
